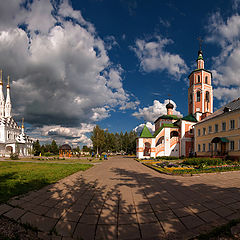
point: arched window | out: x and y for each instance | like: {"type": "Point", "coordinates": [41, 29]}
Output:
{"type": "Point", "coordinates": [190, 98]}
{"type": "Point", "coordinates": [198, 78]}
{"type": "Point", "coordinates": [198, 96]}
{"type": "Point", "coordinates": [174, 134]}
{"type": "Point", "coordinates": [160, 141]}
{"type": "Point", "coordinates": [207, 96]}
{"type": "Point", "coordinates": [206, 80]}
{"type": "Point", "coordinates": [147, 149]}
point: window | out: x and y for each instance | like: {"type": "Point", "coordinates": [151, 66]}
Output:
{"type": "Point", "coordinates": [209, 147]}
{"type": "Point", "coordinates": [232, 145]}
{"type": "Point", "coordinates": [209, 129]}
{"type": "Point", "coordinates": [239, 144]}
{"type": "Point", "coordinates": [199, 133]}
{"type": "Point", "coordinates": [204, 131]}
{"type": "Point", "coordinates": [206, 80]}
{"type": "Point", "coordinates": [223, 126]}
{"type": "Point", "coordinates": [238, 122]}
{"type": "Point", "coordinates": [207, 96]}
{"type": "Point", "coordinates": [191, 130]}
{"type": "Point", "coordinates": [204, 147]}
{"type": "Point", "coordinates": [198, 78]}
{"type": "Point", "coordinates": [232, 124]}
{"type": "Point", "coordinates": [198, 96]}
{"type": "Point", "coordinates": [199, 148]}
{"type": "Point", "coordinates": [216, 128]}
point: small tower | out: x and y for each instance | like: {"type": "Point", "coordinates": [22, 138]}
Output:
{"type": "Point", "coordinates": [2, 101]}
{"type": "Point", "coordinates": [8, 105]}
{"type": "Point", "coordinates": [169, 107]}
{"type": "Point", "coordinates": [22, 126]}
{"type": "Point", "coordinates": [200, 94]}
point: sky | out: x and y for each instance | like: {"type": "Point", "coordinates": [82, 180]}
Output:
{"type": "Point", "coordinates": [74, 64]}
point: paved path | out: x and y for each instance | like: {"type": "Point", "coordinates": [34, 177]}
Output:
{"type": "Point", "coordinates": [122, 199]}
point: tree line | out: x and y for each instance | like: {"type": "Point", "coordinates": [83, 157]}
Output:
{"type": "Point", "coordinates": [104, 141]}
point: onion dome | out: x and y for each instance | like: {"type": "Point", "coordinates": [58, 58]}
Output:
{"type": "Point", "coordinates": [169, 106]}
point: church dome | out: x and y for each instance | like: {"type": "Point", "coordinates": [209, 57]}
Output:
{"type": "Point", "coordinates": [169, 106]}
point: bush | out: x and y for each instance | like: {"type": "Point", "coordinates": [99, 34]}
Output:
{"type": "Point", "coordinates": [47, 154]}
{"type": "Point", "coordinates": [203, 161]}
{"type": "Point", "coordinates": [14, 156]}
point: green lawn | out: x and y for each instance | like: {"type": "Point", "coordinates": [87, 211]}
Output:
{"type": "Point", "coordinates": [19, 178]}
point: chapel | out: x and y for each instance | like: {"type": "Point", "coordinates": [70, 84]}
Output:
{"type": "Point", "coordinates": [12, 137]}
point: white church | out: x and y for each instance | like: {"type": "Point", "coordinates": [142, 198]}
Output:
{"type": "Point", "coordinates": [12, 137]}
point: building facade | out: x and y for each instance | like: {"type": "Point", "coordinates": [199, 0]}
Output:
{"type": "Point", "coordinates": [12, 137]}
{"type": "Point", "coordinates": [219, 133]}
{"type": "Point", "coordinates": [174, 135]}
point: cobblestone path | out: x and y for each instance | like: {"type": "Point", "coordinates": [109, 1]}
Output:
{"type": "Point", "coordinates": [122, 199]}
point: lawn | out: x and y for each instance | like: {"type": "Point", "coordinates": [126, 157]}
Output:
{"type": "Point", "coordinates": [18, 178]}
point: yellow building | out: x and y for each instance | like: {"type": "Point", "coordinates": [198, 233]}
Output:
{"type": "Point", "coordinates": [219, 133]}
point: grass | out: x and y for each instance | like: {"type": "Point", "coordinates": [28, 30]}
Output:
{"type": "Point", "coordinates": [19, 178]}
{"type": "Point", "coordinates": [86, 160]}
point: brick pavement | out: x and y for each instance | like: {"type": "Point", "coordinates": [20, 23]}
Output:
{"type": "Point", "coordinates": [122, 199]}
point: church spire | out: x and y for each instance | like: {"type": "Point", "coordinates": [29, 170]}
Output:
{"type": "Point", "coordinates": [2, 101]}
{"type": "Point", "coordinates": [8, 105]}
{"type": "Point", "coordinates": [200, 61]}
{"type": "Point", "coordinates": [22, 125]}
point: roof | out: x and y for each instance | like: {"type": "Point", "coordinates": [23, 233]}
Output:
{"type": "Point", "coordinates": [65, 147]}
{"type": "Point", "coordinates": [220, 139]}
{"type": "Point", "coordinates": [232, 106]}
{"type": "Point", "coordinates": [145, 133]}
{"type": "Point", "coordinates": [165, 125]}
{"type": "Point", "coordinates": [171, 117]}
{"type": "Point", "coordinates": [189, 118]}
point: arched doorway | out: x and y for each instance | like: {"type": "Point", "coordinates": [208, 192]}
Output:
{"type": "Point", "coordinates": [9, 150]}
{"type": "Point", "coordinates": [147, 149]}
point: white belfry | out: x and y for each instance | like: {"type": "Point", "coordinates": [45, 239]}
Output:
{"type": "Point", "coordinates": [8, 105]}
{"type": "Point", "coordinates": [2, 101]}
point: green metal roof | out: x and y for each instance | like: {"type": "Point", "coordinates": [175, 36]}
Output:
{"type": "Point", "coordinates": [171, 117]}
{"type": "Point", "coordinates": [200, 57]}
{"type": "Point", "coordinates": [145, 133]}
{"type": "Point", "coordinates": [189, 118]}
{"type": "Point", "coordinates": [165, 125]}
{"type": "Point", "coordinates": [220, 139]}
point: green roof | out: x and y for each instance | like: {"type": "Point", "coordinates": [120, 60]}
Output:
{"type": "Point", "coordinates": [189, 118]}
{"type": "Point", "coordinates": [171, 117]}
{"type": "Point", "coordinates": [145, 133]}
{"type": "Point", "coordinates": [164, 125]}
{"type": "Point", "coordinates": [200, 57]}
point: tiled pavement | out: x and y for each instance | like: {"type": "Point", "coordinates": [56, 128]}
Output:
{"type": "Point", "coordinates": [122, 199]}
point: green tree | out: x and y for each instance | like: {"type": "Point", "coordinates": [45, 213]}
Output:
{"type": "Point", "coordinates": [36, 148]}
{"type": "Point", "coordinates": [98, 139]}
{"type": "Point", "coordinates": [54, 148]}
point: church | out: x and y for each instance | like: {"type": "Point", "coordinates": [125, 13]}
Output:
{"type": "Point", "coordinates": [174, 135]}
{"type": "Point", "coordinates": [12, 137]}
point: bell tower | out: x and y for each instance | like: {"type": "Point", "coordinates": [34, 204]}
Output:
{"type": "Point", "coordinates": [200, 93]}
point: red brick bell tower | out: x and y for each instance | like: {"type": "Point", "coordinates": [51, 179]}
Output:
{"type": "Point", "coordinates": [200, 94]}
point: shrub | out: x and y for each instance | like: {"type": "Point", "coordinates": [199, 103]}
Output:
{"type": "Point", "coordinates": [14, 156]}
{"type": "Point", "coordinates": [47, 154]}
{"type": "Point", "coordinates": [203, 161]}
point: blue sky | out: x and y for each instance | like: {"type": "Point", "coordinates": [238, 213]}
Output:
{"type": "Point", "coordinates": [74, 64]}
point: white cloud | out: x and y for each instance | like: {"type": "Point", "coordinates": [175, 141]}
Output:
{"type": "Point", "coordinates": [151, 113]}
{"type": "Point", "coordinates": [149, 125]}
{"type": "Point", "coordinates": [61, 72]}
{"type": "Point", "coordinates": [226, 66]}
{"type": "Point", "coordinates": [154, 57]}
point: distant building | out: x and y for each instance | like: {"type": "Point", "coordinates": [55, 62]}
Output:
{"type": "Point", "coordinates": [65, 151]}
{"type": "Point", "coordinates": [219, 133]}
{"type": "Point", "coordinates": [12, 137]}
{"type": "Point", "coordinates": [174, 136]}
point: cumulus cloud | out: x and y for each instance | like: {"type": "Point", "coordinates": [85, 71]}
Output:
{"type": "Point", "coordinates": [60, 70]}
{"type": "Point", "coordinates": [149, 125]}
{"type": "Point", "coordinates": [226, 67]}
{"type": "Point", "coordinates": [154, 57]}
{"type": "Point", "coordinates": [151, 113]}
